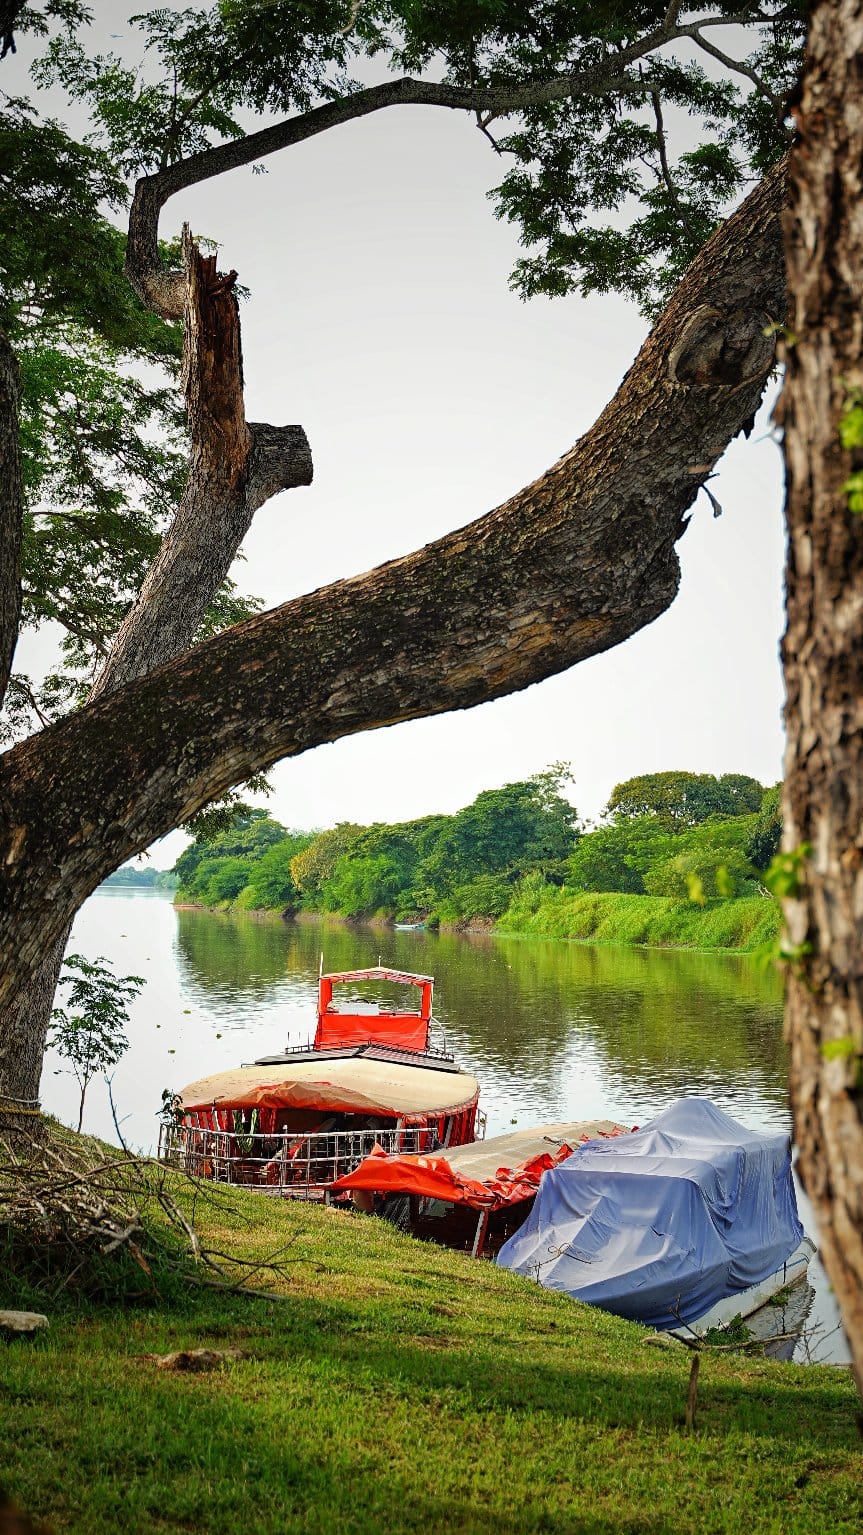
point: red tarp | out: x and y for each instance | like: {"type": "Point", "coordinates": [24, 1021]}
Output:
{"type": "Point", "coordinates": [389, 1027]}
{"type": "Point", "coordinates": [432, 1177]}
{"type": "Point", "coordinates": [407, 1031]}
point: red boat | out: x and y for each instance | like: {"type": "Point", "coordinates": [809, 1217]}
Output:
{"type": "Point", "coordinates": [296, 1123]}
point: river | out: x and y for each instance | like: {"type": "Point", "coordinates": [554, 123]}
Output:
{"type": "Point", "coordinates": [553, 1030]}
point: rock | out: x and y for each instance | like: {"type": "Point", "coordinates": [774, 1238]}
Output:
{"type": "Point", "coordinates": [22, 1321]}
{"type": "Point", "coordinates": [196, 1358]}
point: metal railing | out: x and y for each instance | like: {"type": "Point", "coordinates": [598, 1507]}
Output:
{"type": "Point", "coordinates": [294, 1165]}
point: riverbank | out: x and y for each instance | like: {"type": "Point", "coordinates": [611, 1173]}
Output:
{"type": "Point", "coordinates": [394, 1386]}
{"type": "Point", "coordinates": [738, 926]}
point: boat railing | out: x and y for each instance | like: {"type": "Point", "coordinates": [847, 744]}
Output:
{"type": "Point", "coordinates": [299, 1166]}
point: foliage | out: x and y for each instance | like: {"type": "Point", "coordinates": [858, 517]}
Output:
{"type": "Point", "coordinates": [102, 438]}
{"type": "Point", "coordinates": [684, 799]}
{"type": "Point", "coordinates": [360, 887]}
{"type": "Point", "coordinates": [627, 857]}
{"type": "Point", "coordinates": [90, 1035]}
{"type": "Point", "coordinates": [719, 873]}
{"type": "Point", "coordinates": [766, 836]}
{"type": "Point", "coordinates": [504, 854]}
{"type": "Point", "coordinates": [745, 925]}
{"type": "Point", "coordinates": [311, 868]}
{"type": "Point", "coordinates": [787, 871]}
{"type": "Point", "coordinates": [248, 835]}
{"type": "Point", "coordinates": [269, 882]}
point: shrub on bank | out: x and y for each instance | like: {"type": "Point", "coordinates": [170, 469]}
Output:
{"type": "Point", "coordinates": [743, 924]}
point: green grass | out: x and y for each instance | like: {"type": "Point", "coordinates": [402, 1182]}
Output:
{"type": "Point", "coordinates": [402, 1388]}
{"type": "Point", "coordinates": [743, 925]}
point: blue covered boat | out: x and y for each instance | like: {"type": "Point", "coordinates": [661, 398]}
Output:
{"type": "Point", "coordinates": [683, 1224]}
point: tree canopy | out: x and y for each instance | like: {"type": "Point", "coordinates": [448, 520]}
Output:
{"type": "Point", "coordinates": [684, 799]}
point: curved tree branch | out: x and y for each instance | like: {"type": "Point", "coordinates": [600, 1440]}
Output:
{"type": "Point", "coordinates": [163, 291]}
{"type": "Point", "coordinates": [570, 566]}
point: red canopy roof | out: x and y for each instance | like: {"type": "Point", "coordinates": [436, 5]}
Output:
{"type": "Point", "coordinates": [387, 1026]}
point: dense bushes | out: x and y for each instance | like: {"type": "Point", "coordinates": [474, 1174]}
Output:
{"type": "Point", "coordinates": [678, 871]}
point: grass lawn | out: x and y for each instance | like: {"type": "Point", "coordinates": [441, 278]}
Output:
{"type": "Point", "coordinates": [403, 1388]}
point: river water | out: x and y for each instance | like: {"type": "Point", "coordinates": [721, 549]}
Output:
{"type": "Point", "coordinates": [552, 1030]}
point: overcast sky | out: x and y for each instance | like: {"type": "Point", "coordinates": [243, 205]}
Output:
{"type": "Point", "coordinates": [380, 319]}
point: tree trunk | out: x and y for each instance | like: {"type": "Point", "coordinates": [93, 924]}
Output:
{"type": "Point", "coordinates": [822, 650]}
{"type": "Point", "coordinates": [233, 468]}
{"type": "Point", "coordinates": [10, 511]}
{"type": "Point", "coordinates": [578, 561]}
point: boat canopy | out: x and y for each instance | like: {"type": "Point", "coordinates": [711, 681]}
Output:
{"type": "Point", "coordinates": [486, 1174]}
{"type": "Point", "coordinates": [352, 1083]}
{"type": "Point", "coordinates": [660, 1225]}
{"type": "Point", "coordinates": [369, 1024]}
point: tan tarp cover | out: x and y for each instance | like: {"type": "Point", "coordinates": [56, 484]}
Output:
{"type": "Point", "coordinates": [355, 1085]}
{"type": "Point", "coordinates": [483, 1158]}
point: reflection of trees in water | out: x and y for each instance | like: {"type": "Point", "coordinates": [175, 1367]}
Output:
{"type": "Point", "coordinates": [527, 1006]}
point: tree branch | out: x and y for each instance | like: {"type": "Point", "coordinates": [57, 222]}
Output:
{"type": "Point", "coordinates": [163, 291]}
{"type": "Point", "coordinates": [567, 568]}
{"type": "Point", "coordinates": [234, 467]}
{"type": "Point", "coordinates": [738, 68]}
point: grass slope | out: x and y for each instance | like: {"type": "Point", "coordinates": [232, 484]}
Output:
{"type": "Point", "coordinates": [398, 1388]}
{"type": "Point", "coordinates": [659, 921]}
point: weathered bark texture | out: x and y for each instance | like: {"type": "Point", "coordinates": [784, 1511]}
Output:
{"type": "Point", "coordinates": [570, 566]}
{"type": "Point", "coordinates": [10, 510]}
{"type": "Point", "coordinates": [822, 650]}
{"type": "Point", "coordinates": [233, 468]}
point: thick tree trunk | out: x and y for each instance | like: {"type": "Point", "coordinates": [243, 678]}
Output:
{"type": "Point", "coordinates": [10, 510]}
{"type": "Point", "coordinates": [823, 651]}
{"type": "Point", "coordinates": [570, 566]}
{"type": "Point", "coordinates": [233, 468]}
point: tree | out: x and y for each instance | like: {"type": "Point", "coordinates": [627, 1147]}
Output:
{"type": "Point", "coordinates": [90, 1035]}
{"type": "Point", "coordinates": [822, 800]}
{"type": "Point", "coordinates": [312, 867]}
{"type": "Point", "coordinates": [767, 834]}
{"type": "Point", "coordinates": [567, 568]}
{"type": "Point", "coordinates": [568, 92]}
{"type": "Point", "coordinates": [684, 799]}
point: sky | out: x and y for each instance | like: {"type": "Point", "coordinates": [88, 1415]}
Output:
{"type": "Point", "coordinates": [380, 319]}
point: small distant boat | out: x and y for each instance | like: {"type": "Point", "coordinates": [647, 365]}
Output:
{"type": "Point", "coordinates": [294, 1124]}
{"type": "Point", "coordinates": [683, 1225]}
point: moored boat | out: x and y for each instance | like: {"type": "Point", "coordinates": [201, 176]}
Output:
{"type": "Point", "coordinates": [293, 1124]}
{"type": "Point", "coordinates": [472, 1196]}
{"type": "Point", "coordinates": [683, 1225]}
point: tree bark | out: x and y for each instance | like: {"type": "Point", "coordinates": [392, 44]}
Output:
{"type": "Point", "coordinates": [10, 511]}
{"type": "Point", "coordinates": [570, 566]}
{"type": "Point", "coordinates": [822, 650]}
{"type": "Point", "coordinates": [233, 468]}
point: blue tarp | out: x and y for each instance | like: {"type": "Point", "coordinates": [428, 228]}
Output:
{"type": "Point", "coordinates": [660, 1225]}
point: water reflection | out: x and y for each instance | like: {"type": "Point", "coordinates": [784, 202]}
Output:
{"type": "Point", "coordinates": [550, 1028]}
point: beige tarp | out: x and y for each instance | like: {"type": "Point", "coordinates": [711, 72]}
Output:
{"type": "Point", "coordinates": [483, 1158]}
{"type": "Point", "coordinates": [354, 1084]}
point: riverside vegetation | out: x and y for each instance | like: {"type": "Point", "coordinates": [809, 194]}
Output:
{"type": "Point", "coordinates": [383, 1385]}
{"type": "Point", "coordinates": [680, 859]}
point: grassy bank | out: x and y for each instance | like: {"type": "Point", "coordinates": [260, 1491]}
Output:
{"type": "Point", "coordinates": [399, 1387]}
{"type": "Point", "coordinates": [658, 921]}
